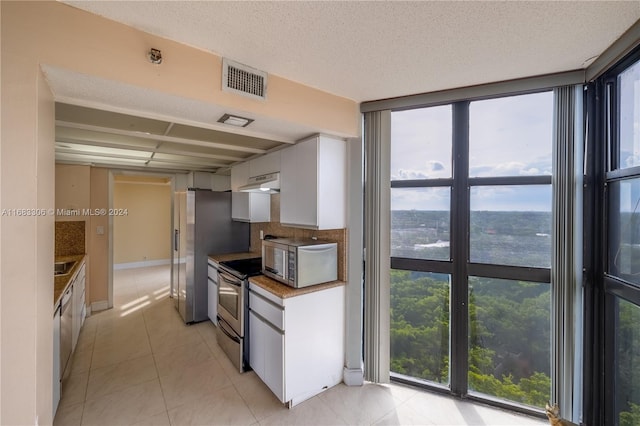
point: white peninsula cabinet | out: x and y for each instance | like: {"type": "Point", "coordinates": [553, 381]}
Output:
{"type": "Point", "coordinates": [297, 343]}
{"type": "Point", "coordinates": [247, 206]}
{"type": "Point", "coordinates": [313, 184]}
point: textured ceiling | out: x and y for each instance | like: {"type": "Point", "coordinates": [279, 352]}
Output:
{"type": "Point", "coordinates": [375, 50]}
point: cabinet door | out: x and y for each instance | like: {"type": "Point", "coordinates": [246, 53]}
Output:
{"type": "Point", "coordinates": [299, 184]}
{"type": "Point", "coordinates": [56, 361]}
{"type": "Point", "coordinates": [240, 206]}
{"type": "Point", "coordinates": [75, 315]}
{"type": "Point", "coordinates": [239, 175]}
{"type": "Point", "coordinates": [266, 355]}
{"type": "Point", "coordinates": [274, 361]}
{"type": "Point", "coordinates": [268, 163]}
{"type": "Point", "coordinates": [288, 177]}
{"type": "Point", "coordinates": [256, 344]}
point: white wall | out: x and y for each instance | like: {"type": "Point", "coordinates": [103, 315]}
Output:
{"type": "Point", "coordinates": [144, 233]}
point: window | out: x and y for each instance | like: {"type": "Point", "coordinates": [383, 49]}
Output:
{"type": "Point", "coordinates": [509, 353]}
{"type": "Point", "coordinates": [620, 282]}
{"type": "Point", "coordinates": [420, 223]}
{"type": "Point", "coordinates": [471, 227]}
{"type": "Point", "coordinates": [511, 225]}
{"type": "Point", "coordinates": [420, 325]}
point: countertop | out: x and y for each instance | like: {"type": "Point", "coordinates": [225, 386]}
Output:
{"type": "Point", "coordinates": [234, 256]}
{"type": "Point", "coordinates": [283, 291]}
{"type": "Point", "coordinates": [60, 282]}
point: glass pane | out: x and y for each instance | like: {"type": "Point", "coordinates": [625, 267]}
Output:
{"type": "Point", "coordinates": [420, 223]}
{"type": "Point", "coordinates": [421, 143]}
{"type": "Point", "coordinates": [629, 84]}
{"type": "Point", "coordinates": [511, 225]}
{"type": "Point", "coordinates": [627, 387]}
{"type": "Point", "coordinates": [624, 235]}
{"type": "Point", "coordinates": [510, 343]}
{"type": "Point", "coordinates": [420, 325]}
{"type": "Point", "coordinates": [511, 136]}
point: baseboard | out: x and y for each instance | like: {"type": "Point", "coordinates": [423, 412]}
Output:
{"type": "Point", "coordinates": [353, 376]}
{"type": "Point", "coordinates": [99, 306]}
{"type": "Point", "coordinates": [142, 264]}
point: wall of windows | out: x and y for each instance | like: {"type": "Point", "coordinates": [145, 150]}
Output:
{"type": "Point", "coordinates": [618, 198]}
{"type": "Point", "coordinates": [471, 247]}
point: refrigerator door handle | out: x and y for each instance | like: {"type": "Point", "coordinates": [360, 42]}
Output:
{"type": "Point", "coordinates": [176, 233]}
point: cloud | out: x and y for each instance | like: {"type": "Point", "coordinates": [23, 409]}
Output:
{"type": "Point", "coordinates": [512, 168]}
{"type": "Point", "coordinates": [436, 166]}
{"type": "Point", "coordinates": [432, 170]}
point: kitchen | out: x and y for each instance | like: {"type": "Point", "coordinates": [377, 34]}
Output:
{"type": "Point", "coordinates": [55, 52]}
{"type": "Point", "coordinates": [269, 224]}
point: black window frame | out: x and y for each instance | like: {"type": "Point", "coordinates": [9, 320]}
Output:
{"type": "Point", "coordinates": [603, 289]}
{"type": "Point", "coordinates": [459, 267]}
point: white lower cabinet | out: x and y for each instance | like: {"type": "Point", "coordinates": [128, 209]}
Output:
{"type": "Point", "coordinates": [56, 360]}
{"type": "Point", "coordinates": [79, 310]}
{"type": "Point", "coordinates": [297, 343]}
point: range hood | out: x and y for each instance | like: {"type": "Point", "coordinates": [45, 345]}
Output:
{"type": "Point", "coordinates": [264, 184]}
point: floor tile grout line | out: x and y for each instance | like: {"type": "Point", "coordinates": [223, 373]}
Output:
{"type": "Point", "coordinates": [155, 363]}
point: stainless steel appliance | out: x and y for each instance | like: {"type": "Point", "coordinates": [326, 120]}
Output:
{"type": "Point", "coordinates": [233, 308]}
{"type": "Point", "coordinates": [203, 226]}
{"type": "Point", "coordinates": [300, 262]}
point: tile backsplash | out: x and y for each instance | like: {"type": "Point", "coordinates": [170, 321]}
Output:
{"type": "Point", "coordinates": [70, 238]}
{"type": "Point", "coordinates": [275, 228]}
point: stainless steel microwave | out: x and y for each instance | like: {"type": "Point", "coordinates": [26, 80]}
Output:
{"type": "Point", "coordinates": [300, 262]}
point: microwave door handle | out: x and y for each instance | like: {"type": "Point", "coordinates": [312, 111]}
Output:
{"type": "Point", "coordinates": [285, 270]}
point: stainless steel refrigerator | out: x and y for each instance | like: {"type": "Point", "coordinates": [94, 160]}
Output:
{"type": "Point", "coordinates": [202, 226]}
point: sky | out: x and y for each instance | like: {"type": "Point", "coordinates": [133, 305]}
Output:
{"type": "Point", "coordinates": [507, 137]}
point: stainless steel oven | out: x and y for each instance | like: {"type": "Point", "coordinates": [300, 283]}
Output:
{"type": "Point", "coordinates": [233, 307]}
{"type": "Point", "coordinates": [231, 301]}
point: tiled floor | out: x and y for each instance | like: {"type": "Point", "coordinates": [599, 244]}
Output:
{"type": "Point", "coordinates": [138, 364]}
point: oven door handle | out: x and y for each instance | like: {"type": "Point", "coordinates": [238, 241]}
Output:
{"type": "Point", "coordinates": [234, 283]}
{"type": "Point", "coordinates": [221, 325]}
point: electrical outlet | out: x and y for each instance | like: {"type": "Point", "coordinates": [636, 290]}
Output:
{"type": "Point", "coordinates": [100, 230]}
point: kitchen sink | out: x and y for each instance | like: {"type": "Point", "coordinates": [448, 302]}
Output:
{"type": "Point", "coordinates": [63, 268]}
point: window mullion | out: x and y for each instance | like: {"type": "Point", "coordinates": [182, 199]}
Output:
{"type": "Point", "coordinates": [460, 250]}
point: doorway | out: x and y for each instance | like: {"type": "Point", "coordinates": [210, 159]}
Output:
{"type": "Point", "coordinates": [140, 224]}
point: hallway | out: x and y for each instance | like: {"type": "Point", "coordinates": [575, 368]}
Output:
{"type": "Point", "coordinates": [138, 364]}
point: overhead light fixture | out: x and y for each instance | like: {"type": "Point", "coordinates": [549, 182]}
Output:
{"type": "Point", "coordinates": [234, 120]}
{"type": "Point", "coordinates": [155, 56]}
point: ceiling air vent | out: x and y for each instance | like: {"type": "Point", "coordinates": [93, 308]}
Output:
{"type": "Point", "coordinates": [243, 80]}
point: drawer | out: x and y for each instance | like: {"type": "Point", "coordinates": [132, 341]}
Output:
{"type": "Point", "coordinates": [267, 310]}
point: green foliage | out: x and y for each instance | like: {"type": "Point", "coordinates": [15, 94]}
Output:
{"type": "Point", "coordinates": [509, 334]}
{"type": "Point", "coordinates": [631, 417]}
{"type": "Point", "coordinates": [628, 363]}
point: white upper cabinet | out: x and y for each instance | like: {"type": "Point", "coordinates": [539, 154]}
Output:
{"type": "Point", "coordinates": [268, 163]}
{"type": "Point", "coordinates": [239, 175]}
{"type": "Point", "coordinates": [313, 183]}
{"type": "Point", "coordinates": [246, 206]}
